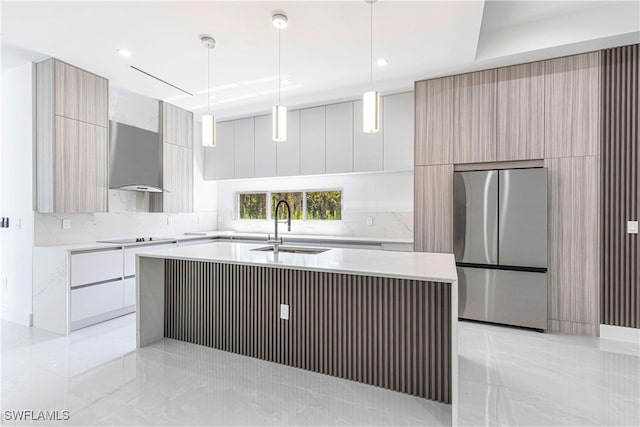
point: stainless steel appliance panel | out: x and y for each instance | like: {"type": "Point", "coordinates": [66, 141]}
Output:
{"type": "Point", "coordinates": [522, 234]}
{"type": "Point", "coordinates": [475, 217]}
{"type": "Point", "coordinates": [503, 296]}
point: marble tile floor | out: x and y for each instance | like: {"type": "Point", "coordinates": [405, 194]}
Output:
{"type": "Point", "coordinates": [507, 377]}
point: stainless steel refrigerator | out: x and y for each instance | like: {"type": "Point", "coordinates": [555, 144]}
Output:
{"type": "Point", "coordinates": [500, 245]}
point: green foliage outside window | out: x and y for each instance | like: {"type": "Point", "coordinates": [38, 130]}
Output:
{"type": "Point", "coordinates": [253, 205]}
{"type": "Point", "coordinates": [294, 200]}
{"type": "Point", "coordinates": [324, 205]}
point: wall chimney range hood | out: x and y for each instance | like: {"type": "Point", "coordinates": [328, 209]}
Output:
{"type": "Point", "coordinates": [135, 159]}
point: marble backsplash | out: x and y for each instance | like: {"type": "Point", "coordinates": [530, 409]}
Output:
{"type": "Point", "coordinates": [128, 216]}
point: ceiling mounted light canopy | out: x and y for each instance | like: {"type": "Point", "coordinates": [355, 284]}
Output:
{"type": "Point", "coordinates": [371, 98]}
{"type": "Point", "coordinates": [124, 52]}
{"type": "Point", "coordinates": [279, 113]}
{"type": "Point", "coordinates": [208, 120]}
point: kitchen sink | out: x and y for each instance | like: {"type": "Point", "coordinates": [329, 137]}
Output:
{"type": "Point", "coordinates": [293, 250]}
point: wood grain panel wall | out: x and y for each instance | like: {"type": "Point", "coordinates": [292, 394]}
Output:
{"type": "Point", "coordinates": [474, 131]}
{"type": "Point", "coordinates": [572, 106]}
{"type": "Point", "coordinates": [433, 206]}
{"type": "Point", "coordinates": [574, 244]}
{"type": "Point", "coordinates": [620, 294]}
{"type": "Point", "coordinates": [391, 333]}
{"type": "Point", "coordinates": [434, 122]}
{"type": "Point", "coordinates": [520, 112]}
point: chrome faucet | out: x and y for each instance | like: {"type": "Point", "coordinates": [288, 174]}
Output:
{"type": "Point", "coordinates": [278, 241]}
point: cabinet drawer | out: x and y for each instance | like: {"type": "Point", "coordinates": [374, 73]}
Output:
{"type": "Point", "coordinates": [129, 286]}
{"type": "Point", "coordinates": [93, 267]}
{"type": "Point", "coordinates": [94, 300]}
{"type": "Point", "coordinates": [130, 256]}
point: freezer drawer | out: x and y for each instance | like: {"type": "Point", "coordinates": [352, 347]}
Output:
{"type": "Point", "coordinates": [522, 235]}
{"type": "Point", "coordinates": [475, 217]}
{"type": "Point", "coordinates": [503, 296]}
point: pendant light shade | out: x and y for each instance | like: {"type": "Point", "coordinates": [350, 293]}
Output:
{"type": "Point", "coordinates": [371, 99]}
{"type": "Point", "coordinates": [279, 122]}
{"type": "Point", "coordinates": [208, 120]}
{"type": "Point", "coordinates": [371, 112]}
{"type": "Point", "coordinates": [279, 113]}
{"type": "Point", "coordinates": [208, 130]}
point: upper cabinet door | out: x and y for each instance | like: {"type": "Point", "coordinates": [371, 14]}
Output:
{"type": "Point", "coordinates": [92, 99]}
{"type": "Point", "coordinates": [312, 141]}
{"type": "Point", "coordinates": [66, 82]}
{"type": "Point", "coordinates": [434, 121]}
{"type": "Point", "coordinates": [265, 148]}
{"type": "Point", "coordinates": [177, 178]}
{"type": "Point", "coordinates": [572, 106]}
{"type": "Point", "coordinates": [398, 131]}
{"type": "Point", "coordinates": [339, 137]}
{"type": "Point", "coordinates": [288, 152]}
{"type": "Point", "coordinates": [177, 125]}
{"type": "Point", "coordinates": [367, 147]}
{"type": "Point", "coordinates": [224, 162]}
{"type": "Point", "coordinates": [474, 137]}
{"type": "Point", "coordinates": [520, 112]}
{"type": "Point", "coordinates": [243, 148]}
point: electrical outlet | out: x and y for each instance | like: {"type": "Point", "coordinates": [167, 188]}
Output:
{"type": "Point", "coordinates": [169, 220]}
{"type": "Point", "coordinates": [66, 224]}
{"type": "Point", "coordinates": [284, 311]}
{"type": "Point", "coordinates": [370, 221]}
{"type": "Point", "coordinates": [5, 283]}
{"type": "Point", "coordinates": [632, 227]}
{"type": "Point", "coordinates": [19, 225]}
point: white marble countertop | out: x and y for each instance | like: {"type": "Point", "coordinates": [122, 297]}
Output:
{"type": "Point", "coordinates": [312, 238]}
{"type": "Point", "coordinates": [406, 265]}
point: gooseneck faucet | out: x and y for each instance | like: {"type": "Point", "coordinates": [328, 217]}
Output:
{"type": "Point", "coordinates": [278, 241]}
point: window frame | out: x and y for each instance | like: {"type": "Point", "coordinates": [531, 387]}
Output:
{"type": "Point", "coordinates": [304, 202]}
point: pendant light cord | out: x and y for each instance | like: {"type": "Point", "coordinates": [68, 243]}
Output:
{"type": "Point", "coordinates": [279, 54]}
{"type": "Point", "coordinates": [371, 46]}
{"type": "Point", "coordinates": [208, 80]}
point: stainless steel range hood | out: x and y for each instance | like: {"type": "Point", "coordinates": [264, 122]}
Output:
{"type": "Point", "coordinates": [135, 159]}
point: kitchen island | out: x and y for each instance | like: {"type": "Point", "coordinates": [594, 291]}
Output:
{"type": "Point", "coordinates": [383, 318]}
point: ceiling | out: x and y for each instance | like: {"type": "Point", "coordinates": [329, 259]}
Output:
{"type": "Point", "coordinates": [325, 49]}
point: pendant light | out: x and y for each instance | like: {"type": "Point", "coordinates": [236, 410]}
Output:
{"type": "Point", "coordinates": [208, 120]}
{"type": "Point", "coordinates": [371, 99]}
{"type": "Point", "coordinates": [279, 113]}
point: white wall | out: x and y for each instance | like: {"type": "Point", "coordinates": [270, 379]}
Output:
{"type": "Point", "coordinates": [129, 214]}
{"type": "Point", "coordinates": [16, 193]}
{"type": "Point", "coordinates": [387, 197]}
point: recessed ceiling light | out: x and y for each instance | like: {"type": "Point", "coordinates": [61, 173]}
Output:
{"type": "Point", "coordinates": [284, 81]}
{"type": "Point", "coordinates": [124, 52]}
{"type": "Point", "coordinates": [279, 20]}
{"type": "Point", "coordinates": [382, 62]}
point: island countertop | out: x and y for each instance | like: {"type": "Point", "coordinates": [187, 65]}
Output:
{"type": "Point", "coordinates": [405, 265]}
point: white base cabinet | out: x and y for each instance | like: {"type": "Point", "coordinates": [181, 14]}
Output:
{"type": "Point", "coordinates": [94, 300]}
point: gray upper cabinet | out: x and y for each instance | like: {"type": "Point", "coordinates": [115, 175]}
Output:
{"type": "Point", "coordinates": [367, 147]}
{"type": "Point", "coordinates": [72, 152]}
{"type": "Point", "coordinates": [224, 153]}
{"type": "Point", "coordinates": [398, 131]}
{"type": "Point", "coordinates": [176, 134]}
{"type": "Point", "coordinates": [288, 152]}
{"type": "Point", "coordinates": [339, 137]}
{"type": "Point", "coordinates": [572, 106]}
{"type": "Point", "coordinates": [312, 141]}
{"type": "Point", "coordinates": [434, 121]}
{"type": "Point", "coordinates": [265, 148]}
{"type": "Point", "coordinates": [520, 112]}
{"type": "Point", "coordinates": [243, 148]}
{"type": "Point", "coordinates": [474, 136]}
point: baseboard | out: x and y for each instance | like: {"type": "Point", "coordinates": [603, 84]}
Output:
{"type": "Point", "coordinates": [20, 317]}
{"type": "Point", "coordinates": [620, 333]}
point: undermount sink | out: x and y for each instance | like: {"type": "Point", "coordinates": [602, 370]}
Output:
{"type": "Point", "coordinates": [293, 250]}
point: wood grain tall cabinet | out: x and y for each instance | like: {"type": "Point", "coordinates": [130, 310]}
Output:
{"type": "Point", "coordinates": [176, 136]}
{"type": "Point", "coordinates": [72, 147]}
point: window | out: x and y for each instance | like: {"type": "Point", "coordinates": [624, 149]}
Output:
{"type": "Point", "coordinates": [294, 200]}
{"type": "Point", "coordinates": [252, 205]}
{"type": "Point", "coordinates": [324, 205]}
{"type": "Point", "coordinates": [312, 205]}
